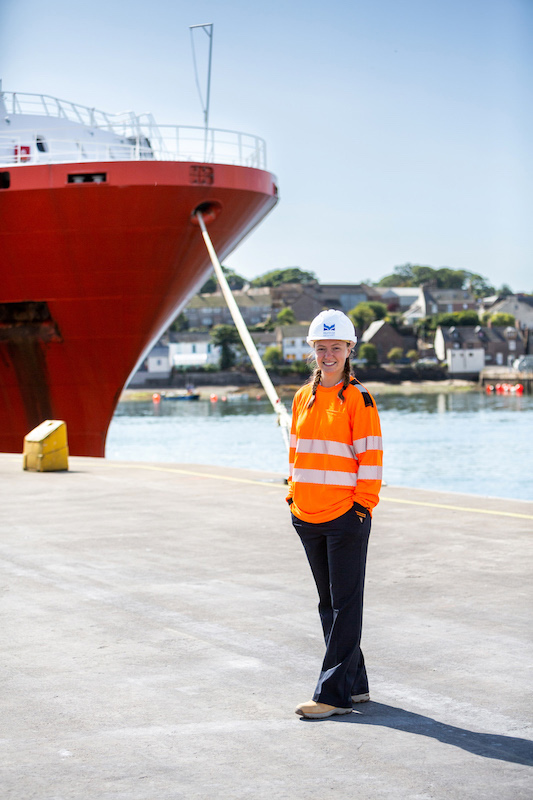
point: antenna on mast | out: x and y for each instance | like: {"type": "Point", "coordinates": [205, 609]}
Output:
{"type": "Point", "coordinates": [208, 30]}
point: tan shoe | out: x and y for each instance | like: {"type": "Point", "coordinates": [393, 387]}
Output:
{"type": "Point", "coordinates": [361, 698]}
{"type": "Point", "coordinates": [313, 710]}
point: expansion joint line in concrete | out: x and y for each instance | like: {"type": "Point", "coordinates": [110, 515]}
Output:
{"type": "Point", "coordinates": [194, 474]}
{"type": "Point", "coordinates": [458, 508]}
{"type": "Point", "coordinates": [268, 484]}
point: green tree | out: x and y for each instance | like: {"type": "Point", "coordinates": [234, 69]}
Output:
{"type": "Point", "coordinates": [470, 317]}
{"type": "Point", "coordinates": [423, 274]}
{"type": "Point", "coordinates": [286, 316]}
{"type": "Point", "coordinates": [450, 278]}
{"type": "Point", "coordinates": [467, 318]}
{"type": "Point", "coordinates": [413, 355]}
{"type": "Point", "coordinates": [401, 276]}
{"type": "Point", "coordinates": [362, 315]}
{"type": "Point", "coordinates": [234, 280]}
{"type": "Point", "coordinates": [479, 286]}
{"type": "Point", "coordinates": [408, 275]}
{"type": "Point", "coordinates": [505, 290]}
{"type": "Point", "coordinates": [181, 323]}
{"type": "Point", "coordinates": [444, 278]}
{"type": "Point", "coordinates": [289, 275]}
{"type": "Point", "coordinates": [395, 354]}
{"type": "Point", "coordinates": [394, 318]}
{"type": "Point", "coordinates": [369, 353]}
{"type": "Point", "coordinates": [224, 336]}
{"type": "Point", "coordinates": [273, 357]}
{"type": "Point", "coordinates": [379, 309]}
{"type": "Point", "coordinates": [503, 319]}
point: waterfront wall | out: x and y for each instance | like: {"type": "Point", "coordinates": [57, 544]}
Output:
{"type": "Point", "coordinates": [386, 374]}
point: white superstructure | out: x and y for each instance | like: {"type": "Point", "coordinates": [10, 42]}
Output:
{"type": "Point", "coordinates": [37, 129]}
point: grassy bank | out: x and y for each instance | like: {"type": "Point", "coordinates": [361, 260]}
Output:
{"type": "Point", "coordinates": [286, 391]}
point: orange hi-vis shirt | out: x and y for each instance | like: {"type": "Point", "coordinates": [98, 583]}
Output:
{"type": "Point", "coordinates": [336, 452]}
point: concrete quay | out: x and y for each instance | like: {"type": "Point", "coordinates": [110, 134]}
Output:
{"type": "Point", "coordinates": [159, 627]}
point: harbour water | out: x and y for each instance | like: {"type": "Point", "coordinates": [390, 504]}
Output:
{"type": "Point", "coordinates": [462, 442]}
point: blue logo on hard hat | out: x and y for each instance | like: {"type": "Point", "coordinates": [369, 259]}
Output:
{"type": "Point", "coordinates": [329, 327]}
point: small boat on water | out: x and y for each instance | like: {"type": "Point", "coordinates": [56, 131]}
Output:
{"type": "Point", "coordinates": [189, 396]}
{"type": "Point", "coordinates": [100, 249]}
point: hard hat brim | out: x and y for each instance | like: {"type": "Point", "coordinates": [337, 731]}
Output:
{"type": "Point", "coordinates": [340, 339]}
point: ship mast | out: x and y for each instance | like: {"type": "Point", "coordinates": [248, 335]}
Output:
{"type": "Point", "coordinates": [208, 30]}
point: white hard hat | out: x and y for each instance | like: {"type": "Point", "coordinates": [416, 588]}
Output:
{"type": "Point", "coordinates": [331, 324]}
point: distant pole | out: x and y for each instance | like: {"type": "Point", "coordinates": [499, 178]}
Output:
{"type": "Point", "coordinates": [208, 30]}
{"type": "Point", "coordinates": [210, 34]}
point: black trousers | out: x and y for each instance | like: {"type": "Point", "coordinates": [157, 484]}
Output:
{"type": "Point", "coordinates": [336, 552]}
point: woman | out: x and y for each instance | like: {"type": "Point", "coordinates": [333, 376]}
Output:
{"type": "Point", "coordinates": [334, 483]}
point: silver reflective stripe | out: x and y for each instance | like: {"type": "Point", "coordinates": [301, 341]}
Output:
{"type": "Point", "coordinates": [361, 388]}
{"type": "Point", "coordinates": [325, 447]}
{"type": "Point", "coordinates": [366, 473]}
{"type": "Point", "coordinates": [325, 476]}
{"type": "Point", "coordinates": [368, 443]}
{"type": "Point", "coordinates": [293, 440]}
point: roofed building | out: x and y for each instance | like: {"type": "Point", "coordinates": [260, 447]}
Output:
{"type": "Point", "coordinates": [384, 337]}
{"type": "Point", "coordinates": [205, 310]}
{"type": "Point", "coordinates": [293, 342]}
{"type": "Point", "coordinates": [433, 301]}
{"type": "Point", "coordinates": [467, 349]}
{"type": "Point", "coordinates": [519, 305]}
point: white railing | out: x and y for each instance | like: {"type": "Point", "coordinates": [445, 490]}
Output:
{"type": "Point", "coordinates": [214, 145]}
{"type": "Point", "coordinates": [96, 136]}
{"type": "Point", "coordinates": [47, 106]}
{"type": "Point", "coordinates": [175, 143]}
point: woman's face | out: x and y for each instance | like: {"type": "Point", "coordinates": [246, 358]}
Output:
{"type": "Point", "coordinates": [331, 355]}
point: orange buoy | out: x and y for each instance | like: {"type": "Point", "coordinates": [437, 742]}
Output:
{"type": "Point", "coordinates": [213, 398]}
{"type": "Point", "coordinates": [489, 388]}
{"type": "Point", "coordinates": [156, 397]}
{"type": "Point", "coordinates": [224, 398]}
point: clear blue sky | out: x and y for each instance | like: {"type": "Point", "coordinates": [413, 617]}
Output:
{"type": "Point", "coordinates": [400, 130]}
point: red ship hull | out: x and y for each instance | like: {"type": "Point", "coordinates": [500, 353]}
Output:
{"type": "Point", "coordinates": [91, 275]}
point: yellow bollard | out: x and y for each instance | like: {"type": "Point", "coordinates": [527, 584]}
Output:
{"type": "Point", "coordinates": [45, 447]}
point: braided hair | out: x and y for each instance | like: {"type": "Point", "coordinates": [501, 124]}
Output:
{"type": "Point", "coordinates": [317, 374]}
{"type": "Point", "coordinates": [346, 380]}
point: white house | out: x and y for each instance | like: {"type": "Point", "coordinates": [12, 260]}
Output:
{"type": "Point", "coordinates": [520, 306]}
{"type": "Point", "coordinates": [158, 360]}
{"type": "Point", "coordinates": [293, 342]}
{"type": "Point", "coordinates": [193, 350]}
{"type": "Point", "coordinates": [155, 367]}
{"type": "Point", "coordinates": [462, 350]}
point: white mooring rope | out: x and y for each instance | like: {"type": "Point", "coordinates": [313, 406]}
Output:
{"type": "Point", "coordinates": [284, 419]}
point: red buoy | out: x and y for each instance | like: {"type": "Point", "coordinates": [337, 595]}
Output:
{"type": "Point", "coordinates": [156, 397]}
